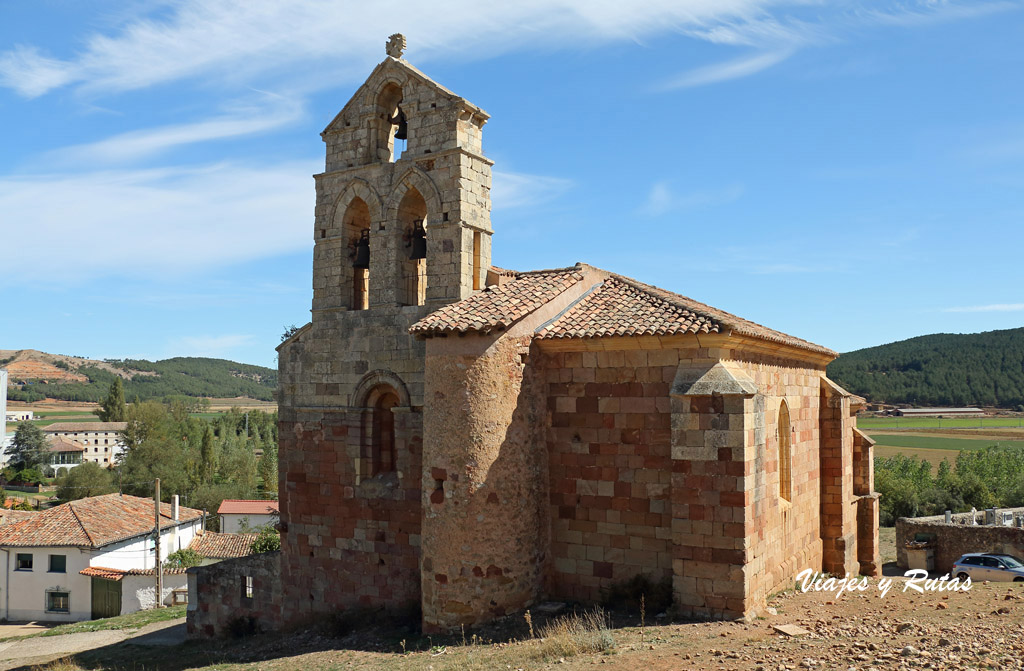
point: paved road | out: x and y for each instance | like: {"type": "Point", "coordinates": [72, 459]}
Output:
{"type": "Point", "coordinates": [43, 649]}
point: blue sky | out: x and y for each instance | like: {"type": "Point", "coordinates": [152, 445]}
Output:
{"type": "Point", "coordinates": [849, 172]}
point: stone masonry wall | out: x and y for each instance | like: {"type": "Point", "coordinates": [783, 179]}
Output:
{"type": "Point", "coordinates": [609, 458]}
{"type": "Point", "coordinates": [348, 541]}
{"type": "Point", "coordinates": [954, 540]}
{"type": "Point", "coordinates": [217, 596]}
{"type": "Point", "coordinates": [784, 535]}
{"type": "Point", "coordinates": [484, 481]}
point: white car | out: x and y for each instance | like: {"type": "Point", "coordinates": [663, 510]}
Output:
{"type": "Point", "coordinates": [985, 566]}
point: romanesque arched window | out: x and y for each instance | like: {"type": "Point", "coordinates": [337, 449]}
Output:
{"type": "Point", "coordinates": [412, 216]}
{"type": "Point", "coordinates": [785, 454]}
{"type": "Point", "coordinates": [381, 401]}
{"type": "Point", "coordinates": [356, 228]}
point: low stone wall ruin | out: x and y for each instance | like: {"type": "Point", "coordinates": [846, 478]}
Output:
{"type": "Point", "coordinates": [959, 537]}
{"type": "Point", "coordinates": [235, 596]}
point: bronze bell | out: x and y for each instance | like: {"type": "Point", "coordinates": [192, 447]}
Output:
{"type": "Point", "coordinates": [403, 128]}
{"type": "Point", "coordinates": [418, 242]}
{"type": "Point", "coordinates": [361, 259]}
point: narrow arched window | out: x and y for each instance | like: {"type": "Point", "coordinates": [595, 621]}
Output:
{"type": "Point", "coordinates": [785, 454]}
{"type": "Point", "coordinates": [382, 447]}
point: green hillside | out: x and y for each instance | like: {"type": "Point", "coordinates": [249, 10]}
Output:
{"type": "Point", "coordinates": [181, 376]}
{"type": "Point", "coordinates": [978, 369]}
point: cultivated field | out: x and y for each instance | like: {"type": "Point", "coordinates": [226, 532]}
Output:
{"type": "Point", "coordinates": [937, 423]}
{"type": "Point", "coordinates": [935, 445]}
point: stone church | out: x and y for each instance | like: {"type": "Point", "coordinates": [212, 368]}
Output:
{"type": "Point", "coordinates": [470, 440]}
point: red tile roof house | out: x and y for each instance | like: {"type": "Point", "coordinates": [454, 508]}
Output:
{"type": "Point", "coordinates": [69, 563]}
{"type": "Point", "coordinates": [241, 515]}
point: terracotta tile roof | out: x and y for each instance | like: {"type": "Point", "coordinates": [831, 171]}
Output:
{"type": "Point", "coordinates": [622, 306]}
{"type": "Point", "coordinates": [92, 522]}
{"type": "Point", "coordinates": [63, 427]}
{"type": "Point", "coordinates": [118, 574]}
{"type": "Point", "coordinates": [168, 570]}
{"type": "Point", "coordinates": [12, 516]}
{"type": "Point", "coordinates": [59, 444]}
{"type": "Point", "coordinates": [105, 573]}
{"type": "Point", "coordinates": [246, 507]}
{"type": "Point", "coordinates": [222, 546]}
{"type": "Point", "coordinates": [498, 307]}
{"type": "Point", "coordinates": [617, 307]}
{"type": "Point", "coordinates": [736, 324]}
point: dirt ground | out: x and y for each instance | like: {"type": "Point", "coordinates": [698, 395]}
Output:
{"type": "Point", "coordinates": [977, 629]}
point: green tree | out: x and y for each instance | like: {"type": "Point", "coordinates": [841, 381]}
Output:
{"type": "Point", "coordinates": [85, 480]}
{"type": "Point", "coordinates": [113, 408]}
{"type": "Point", "coordinates": [208, 457]}
{"type": "Point", "coordinates": [267, 468]}
{"type": "Point", "coordinates": [29, 448]}
{"type": "Point", "coordinates": [267, 540]}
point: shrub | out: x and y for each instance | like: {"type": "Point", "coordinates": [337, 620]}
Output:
{"type": "Point", "coordinates": [183, 558]}
{"type": "Point", "coordinates": [268, 540]}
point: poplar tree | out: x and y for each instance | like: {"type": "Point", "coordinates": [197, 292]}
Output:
{"type": "Point", "coordinates": [113, 408]}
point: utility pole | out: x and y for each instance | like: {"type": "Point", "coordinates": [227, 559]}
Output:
{"type": "Point", "coordinates": [159, 566]}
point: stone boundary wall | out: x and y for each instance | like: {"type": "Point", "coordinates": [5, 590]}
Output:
{"type": "Point", "coordinates": [958, 538]}
{"type": "Point", "coordinates": [217, 595]}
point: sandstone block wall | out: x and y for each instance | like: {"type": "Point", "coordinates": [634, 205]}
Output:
{"type": "Point", "coordinates": [348, 540]}
{"type": "Point", "coordinates": [609, 458]}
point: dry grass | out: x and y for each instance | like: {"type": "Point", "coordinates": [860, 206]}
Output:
{"type": "Point", "coordinates": [574, 635]}
{"type": "Point", "coordinates": [65, 664]}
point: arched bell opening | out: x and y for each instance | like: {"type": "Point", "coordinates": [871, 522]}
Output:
{"type": "Point", "coordinates": [392, 125]}
{"type": "Point", "coordinates": [356, 229]}
{"type": "Point", "coordinates": [412, 217]}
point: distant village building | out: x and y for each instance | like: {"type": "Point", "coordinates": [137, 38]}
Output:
{"type": "Point", "coordinates": [939, 412]}
{"type": "Point", "coordinates": [238, 515]}
{"type": "Point", "coordinates": [19, 415]}
{"type": "Point", "coordinates": [101, 440]}
{"type": "Point", "coordinates": [65, 453]}
{"type": "Point", "coordinates": [68, 563]}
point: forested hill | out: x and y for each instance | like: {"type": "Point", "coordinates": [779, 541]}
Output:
{"type": "Point", "coordinates": [35, 375]}
{"type": "Point", "coordinates": [978, 369]}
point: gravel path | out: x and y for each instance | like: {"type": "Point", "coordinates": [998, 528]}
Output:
{"type": "Point", "coordinates": [43, 649]}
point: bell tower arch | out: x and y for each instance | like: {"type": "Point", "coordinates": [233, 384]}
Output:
{"type": "Point", "coordinates": [429, 242]}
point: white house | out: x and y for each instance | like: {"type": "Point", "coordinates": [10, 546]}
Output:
{"type": "Point", "coordinates": [101, 440]}
{"type": "Point", "coordinates": [18, 415]}
{"type": "Point", "coordinates": [68, 563]}
{"type": "Point", "coordinates": [242, 514]}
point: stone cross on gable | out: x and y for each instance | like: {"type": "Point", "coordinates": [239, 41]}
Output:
{"type": "Point", "coordinates": [396, 45]}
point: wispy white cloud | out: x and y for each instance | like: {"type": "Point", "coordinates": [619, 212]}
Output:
{"type": "Point", "coordinates": [734, 69]}
{"type": "Point", "coordinates": [995, 307]}
{"type": "Point", "coordinates": [134, 145]}
{"type": "Point", "coordinates": [236, 41]}
{"type": "Point", "coordinates": [516, 189]}
{"type": "Point", "coordinates": [145, 223]}
{"type": "Point", "coordinates": [662, 198]}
